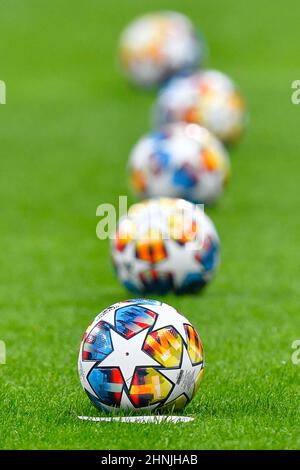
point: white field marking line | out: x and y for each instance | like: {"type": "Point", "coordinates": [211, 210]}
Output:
{"type": "Point", "coordinates": [139, 419]}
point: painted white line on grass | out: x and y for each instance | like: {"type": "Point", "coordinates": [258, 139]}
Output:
{"type": "Point", "coordinates": [139, 419]}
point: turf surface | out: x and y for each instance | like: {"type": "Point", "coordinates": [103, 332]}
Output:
{"type": "Point", "coordinates": [65, 133]}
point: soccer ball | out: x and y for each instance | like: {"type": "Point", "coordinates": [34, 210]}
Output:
{"type": "Point", "coordinates": [164, 245]}
{"type": "Point", "coordinates": [140, 355]}
{"type": "Point", "coordinates": [158, 45]}
{"type": "Point", "coordinates": [209, 98]}
{"type": "Point", "coordinates": [181, 160]}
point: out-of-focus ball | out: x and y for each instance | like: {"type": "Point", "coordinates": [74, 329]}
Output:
{"type": "Point", "coordinates": [209, 98]}
{"type": "Point", "coordinates": [140, 355]}
{"type": "Point", "coordinates": [181, 160]}
{"type": "Point", "coordinates": [165, 245]}
{"type": "Point", "coordinates": [156, 46]}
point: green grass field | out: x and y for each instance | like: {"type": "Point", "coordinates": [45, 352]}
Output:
{"type": "Point", "coordinates": [65, 134]}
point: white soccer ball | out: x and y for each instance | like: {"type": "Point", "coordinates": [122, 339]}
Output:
{"type": "Point", "coordinates": [164, 245]}
{"type": "Point", "coordinates": [209, 98]}
{"type": "Point", "coordinates": [180, 160]}
{"type": "Point", "coordinates": [140, 355]}
{"type": "Point", "coordinates": [158, 45]}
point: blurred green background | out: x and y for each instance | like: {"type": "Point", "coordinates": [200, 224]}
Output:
{"type": "Point", "coordinates": [65, 134]}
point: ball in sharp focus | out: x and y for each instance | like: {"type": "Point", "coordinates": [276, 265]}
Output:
{"type": "Point", "coordinates": [140, 355]}
{"type": "Point", "coordinates": [156, 46]}
{"type": "Point", "coordinates": [209, 98]}
{"type": "Point", "coordinates": [165, 245]}
{"type": "Point", "coordinates": [180, 160]}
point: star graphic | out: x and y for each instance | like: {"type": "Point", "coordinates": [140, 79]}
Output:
{"type": "Point", "coordinates": [188, 374]}
{"type": "Point", "coordinates": [168, 316]}
{"type": "Point", "coordinates": [129, 266]}
{"type": "Point", "coordinates": [127, 354]}
{"type": "Point", "coordinates": [187, 262]}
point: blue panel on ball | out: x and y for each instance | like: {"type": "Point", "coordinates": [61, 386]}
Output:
{"type": "Point", "coordinates": [210, 258]}
{"type": "Point", "coordinates": [161, 159]}
{"type": "Point", "coordinates": [97, 344]}
{"type": "Point", "coordinates": [132, 319]}
{"type": "Point", "coordinates": [184, 178]}
{"type": "Point", "coordinates": [107, 384]}
{"type": "Point", "coordinates": [192, 283]}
